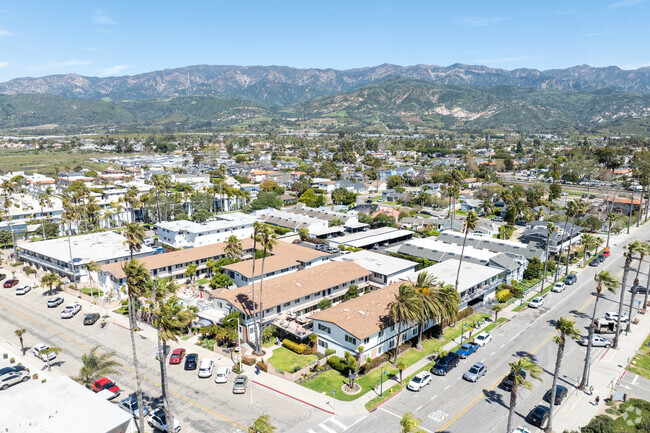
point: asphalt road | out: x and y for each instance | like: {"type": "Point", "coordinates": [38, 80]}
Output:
{"type": "Point", "coordinates": [451, 404]}
{"type": "Point", "coordinates": [200, 404]}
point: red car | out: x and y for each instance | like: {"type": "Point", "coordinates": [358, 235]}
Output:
{"type": "Point", "coordinates": [606, 253]}
{"type": "Point", "coordinates": [177, 356]}
{"type": "Point", "coordinates": [10, 283]}
{"type": "Point", "coordinates": [105, 383]}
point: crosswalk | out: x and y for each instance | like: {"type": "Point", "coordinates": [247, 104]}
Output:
{"type": "Point", "coordinates": [330, 425]}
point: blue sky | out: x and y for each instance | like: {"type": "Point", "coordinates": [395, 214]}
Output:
{"type": "Point", "coordinates": [101, 38]}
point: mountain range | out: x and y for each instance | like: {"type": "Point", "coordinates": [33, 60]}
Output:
{"type": "Point", "coordinates": [581, 98]}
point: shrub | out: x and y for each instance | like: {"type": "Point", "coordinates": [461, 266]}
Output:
{"type": "Point", "coordinates": [29, 270]}
{"type": "Point", "coordinates": [329, 352]}
{"type": "Point", "coordinates": [247, 360]}
{"type": "Point", "coordinates": [44, 380]}
{"type": "Point", "coordinates": [337, 363]}
{"type": "Point", "coordinates": [35, 376]}
{"type": "Point", "coordinates": [504, 295]}
{"type": "Point", "coordinates": [12, 360]}
{"type": "Point", "coordinates": [294, 347]}
{"type": "Point", "coordinates": [465, 313]}
{"type": "Point", "coordinates": [262, 366]}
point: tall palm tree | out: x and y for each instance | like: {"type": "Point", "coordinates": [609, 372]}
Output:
{"type": "Point", "coordinates": [8, 188]}
{"type": "Point", "coordinates": [137, 281]}
{"type": "Point", "coordinates": [643, 250]}
{"type": "Point", "coordinates": [598, 241]}
{"type": "Point", "coordinates": [486, 206]}
{"type": "Point", "coordinates": [90, 268]}
{"type": "Point", "coordinates": [604, 280]}
{"type": "Point", "coordinates": [267, 241]}
{"type": "Point", "coordinates": [404, 309]}
{"type": "Point", "coordinates": [131, 197]}
{"type": "Point", "coordinates": [550, 229]}
{"type": "Point", "coordinates": [171, 319]}
{"type": "Point", "coordinates": [54, 349]}
{"type": "Point", "coordinates": [19, 333]}
{"type": "Point", "coordinates": [567, 330]}
{"type": "Point", "coordinates": [158, 183]}
{"type": "Point", "coordinates": [233, 248]}
{"type": "Point", "coordinates": [70, 215]}
{"type": "Point", "coordinates": [262, 425]}
{"type": "Point", "coordinates": [572, 211]}
{"type": "Point", "coordinates": [94, 365]}
{"type": "Point", "coordinates": [134, 234]}
{"type": "Point", "coordinates": [257, 230]}
{"type": "Point", "coordinates": [50, 280]}
{"type": "Point", "coordinates": [632, 249]}
{"type": "Point", "coordinates": [588, 243]}
{"type": "Point", "coordinates": [518, 368]}
{"type": "Point", "coordinates": [470, 224]}
{"type": "Point", "coordinates": [611, 217]}
{"type": "Point", "coordinates": [44, 200]}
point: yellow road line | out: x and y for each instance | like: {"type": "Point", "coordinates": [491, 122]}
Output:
{"type": "Point", "coordinates": [59, 334]}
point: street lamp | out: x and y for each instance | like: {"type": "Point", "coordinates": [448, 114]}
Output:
{"type": "Point", "coordinates": [462, 331]}
{"type": "Point", "coordinates": [238, 337]}
{"type": "Point", "coordinates": [381, 385]}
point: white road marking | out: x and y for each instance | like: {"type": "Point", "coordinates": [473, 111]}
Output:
{"type": "Point", "coordinates": [438, 415]}
{"type": "Point", "coordinates": [310, 431]}
{"type": "Point", "coordinates": [483, 362]}
{"type": "Point", "coordinates": [447, 387]}
{"type": "Point", "coordinates": [493, 353]}
{"type": "Point", "coordinates": [338, 423]}
{"type": "Point", "coordinates": [391, 413]}
{"type": "Point", "coordinates": [356, 422]}
{"type": "Point", "coordinates": [327, 429]}
{"type": "Point", "coordinates": [432, 398]}
{"type": "Point", "coordinates": [502, 346]}
{"type": "Point", "coordinates": [418, 408]}
{"type": "Point", "coordinates": [636, 376]}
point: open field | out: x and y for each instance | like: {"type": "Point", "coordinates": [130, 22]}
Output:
{"type": "Point", "coordinates": [43, 161]}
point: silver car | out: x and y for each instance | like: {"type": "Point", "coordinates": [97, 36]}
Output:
{"type": "Point", "coordinates": [130, 404]}
{"type": "Point", "coordinates": [12, 378]}
{"type": "Point", "coordinates": [475, 372]}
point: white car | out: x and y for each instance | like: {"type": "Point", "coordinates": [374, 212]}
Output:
{"type": "Point", "coordinates": [558, 287]}
{"type": "Point", "coordinates": [612, 315]}
{"type": "Point", "coordinates": [22, 290]}
{"type": "Point", "coordinates": [598, 341]}
{"type": "Point", "coordinates": [483, 338]}
{"type": "Point", "coordinates": [222, 375]}
{"type": "Point", "coordinates": [38, 350]}
{"type": "Point", "coordinates": [205, 368]}
{"type": "Point", "coordinates": [536, 302]}
{"type": "Point", "coordinates": [158, 421]}
{"type": "Point", "coordinates": [70, 311]}
{"type": "Point", "coordinates": [419, 381]}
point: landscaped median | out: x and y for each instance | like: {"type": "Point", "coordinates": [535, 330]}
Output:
{"type": "Point", "coordinates": [333, 380]}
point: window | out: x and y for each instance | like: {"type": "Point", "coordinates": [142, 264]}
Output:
{"type": "Point", "coordinates": [350, 340]}
{"type": "Point", "coordinates": [322, 343]}
{"type": "Point", "coordinates": [324, 328]}
{"type": "Point", "coordinates": [296, 301]}
{"type": "Point", "coordinates": [366, 340]}
{"type": "Point", "coordinates": [391, 344]}
{"type": "Point", "coordinates": [381, 333]}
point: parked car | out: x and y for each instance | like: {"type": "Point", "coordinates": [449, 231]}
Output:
{"type": "Point", "coordinates": [157, 420]}
{"type": "Point", "coordinates": [70, 311]}
{"type": "Point", "coordinates": [595, 262]}
{"type": "Point", "coordinates": [601, 257]}
{"type": "Point", "coordinates": [475, 372]}
{"type": "Point", "coordinates": [191, 361]}
{"type": "Point", "coordinates": [497, 219]}
{"type": "Point", "coordinates": [483, 338]}
{"type": "Point", "coordinates": [54, 302]}
{"type": "Point", "coordinates": [39, 349]}
{"type": "Point", "coordinates": [445, 364]}
{"type": "Point", "coordinates": [10, 283]}
{"type": "Point", "coordinates": [467, 349]}
{"type": "Point", "coordinates": [640, 289]}
{"type": "Point", "coordinates": [91, 318]}
{"type": "Point", "coordinates": [206, 367]}
{"type": "Point", "coordinates": [538, 416]}
{"type": "Point", "coordinates": [571, 279]}
{"type": "Point", "coordinates": [3, 276]}
{"type": "Point", "coordinates": [560, 393]}
{"type": "Point", "coordinates": [419, 381]}
{"type": "Point", "coordinates": [557, 287]}
{"type": "Point", "coordinates": [606, 252]}
{"type": "Point", "coordinates": [537, 302]}
{"type": "Point", "coordinates": [239, 386]}
{"type": "Point", "coordinates": [221, 376]}
{"type": "Point", "coordinates": [598, 341]}
{"type": "Point", "coordinates": [23, 290]}
{"type": "Point", "coordinates": [507, 382]}
{"type": "Point", "coordinates": [104, 383]}
{"type": "Point", "coordinates": [12, 378]}
{"type": "Point", "coordinates": [12, 368]}
{"type": "Point", "coordinates": [613, 315]}
{"type": "Point", "coordinates": [177, 356]}
{"type": "Point", "coordinates": [130, 404]}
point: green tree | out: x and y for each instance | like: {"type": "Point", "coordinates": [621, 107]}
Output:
{"type": "Point", "coordinates": [550, 229]}
{"type": "Point", "coordinates": [265, 200]}
{"type": "Point", "coordinates": [134, 234]}
{"type": "Point", "coordinates": [604, 280]}
{"type": "Point", "coordinates": [610, 218]}
{"type": "Point", "coordinates": [190, 272]}
{"type": "Point", "coordinates": [404, 309]}
{"type": "Point", "coordinates": [201, 215]}
{"type": "Point", "coordinates": [50, 280]}
{"type": "Point", "coordinates": [266, 238]}
{"type": "Point", "coordinates": [220, 281]}
{"type": "Point", "coordinates": [497, 309]}
{"type": "Point", "coordinates": [233, 248]}
{"type": "Point", "coordinates": [643, 250]}
{"type": "Point", "coordinates": [534, 269]}
{"type": "Point", "coordinates": [95, 365]}
{"type": "Point", "coordinates": [19, 333]}
{"type": "Point", "coordinates": [353, 292]}
{"type": "Point", "coordinates": [324, 304]}
{"type": "Point", "coordinates": [555, 190]}
{"type": "Point", "coordinates": [518, 368]}
{"type": "Point", "coordinates": [410, 424]}
{"type": "Point", "coordinates": [90, 268]}
{"type": "Point", "coordinates": [311, 199]}
{"type": "Point", "coordinates": [262, 425]}
{"type": "Point", "coordinates": [471, 221]}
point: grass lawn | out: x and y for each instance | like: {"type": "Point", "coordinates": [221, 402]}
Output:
{"type": "Point", "coordinates": [617, 418]}
{"type": "Point", "coordinates": [491, 326]}
{"type": "Point", "coordinates": [95, 292]}
{"type": "Point", "coordinates": [286, 360]}
{"type": "Point", "coordinates": [202, 281]}
{"type": "Point", "coordinates": [640, 364]}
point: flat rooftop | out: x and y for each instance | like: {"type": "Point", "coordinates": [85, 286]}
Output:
{"type": "Point", "coordinates": [471, 274]}
{"type": "Point", "coordinates": [424, 247]}
{"type": "Point", "coordinates": [371, 237]}
{"type": "Point", "coordinates": [210, 226]}
{"type": "Point", "coordinates": [376, 262]}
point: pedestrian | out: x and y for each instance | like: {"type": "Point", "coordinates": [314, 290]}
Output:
{"type": "Point", "coordinates": [597, 400]}
{"type": "Point", "coordinates": [591, 390]}
{"type": "Point", "coordinates": [257, 371]}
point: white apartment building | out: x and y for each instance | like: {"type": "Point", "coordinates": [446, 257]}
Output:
{"type": "Point", "coordinates": [188, 234]}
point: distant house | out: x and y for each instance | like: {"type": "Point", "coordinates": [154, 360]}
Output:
{"type": "Point", "coordinates": [536, 234]}
{"type": "Point", "coordinates": [470, 205]}
{"type": "Point", "coordinates": [377, 186]}
{"type": "Point", "coordinates": [620, 205]}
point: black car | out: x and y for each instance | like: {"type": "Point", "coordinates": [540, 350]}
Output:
{"type": "Point", "coordinates": [509, 380]}
{"type": "Point", "coordinates": [191, 361]}
{"type": "Point", "coordinates": [445, 364]}
{"type": "Point", "coordinates": [595, 262]}
{"type": "Point", "coordinates": [12, 369]}
{"type": "Point", "coordinates": [570, 280]}
{"type": "Point", "coordinates": [538, 416]}
{"type": "Point", "coordinates": [601, 257]}
{"type": "Point", "coordinates": [560, 393]}
{"type": "Point", "coordinates": [640, 289]}
{"type": "Point", "coordinates": [91, 318]}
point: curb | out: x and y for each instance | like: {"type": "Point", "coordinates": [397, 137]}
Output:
{"type": "Point", "coordinates": [295, 398]}
{"type": "Point", "coordinates": [376, 407]}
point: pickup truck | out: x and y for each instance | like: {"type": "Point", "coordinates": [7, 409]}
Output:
{"type": "Point", "coordinates": [467, 349]}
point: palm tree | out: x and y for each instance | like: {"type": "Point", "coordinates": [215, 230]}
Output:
{"type": "Point", "coordinates": [588, 243]}
{"type": "Point", "coordinates": [497, 309]}
{"type": "Point", "coordinates": [257, 229]}
{"type": "Point", "coordinates": [604, 280]}
{"type": "Point", "coordinates": [410, 424]}
{"type": "Point", "coordinates": [158, 183]}
{"type": "Point", "coordinates": [137, 281]}
{"type": "Point", "coordinates": [598, 241]}
{"type": "Point", "coordinates": [50, 280]}
{"type": "Point", "coordinates": [405, 308]}
{"type": "Point", "coordinates": [233, 248]}
{"type": "Point", "coordinates": [134, 234]}
{"type": "Point", "coordinates": [91, 267]}
{"type": "Point", "coordinates": [611, 217]}
{"type": "Point", "coordinates": [518, 368]}
{"type": "Point", "coordinates": [262, 425]}
{"type": "Point", "coordinates": [54, 349]}
{"type": "Point", "coordinates": [572, 211]}
{"type": "Point", "coordinates": [95, 365]}
{"type": "Point", "coordinates": [470, 224]}
{"type": "Point", "coordinates": [567, 329]}
{"type": "Point", "coordinates": [643, 250]}
{"type": "Point", "coordinates": [8, 188]}
{"type": "Point", "coordinates": [44, 200]}
{"type": "Point", "coordinates": [550, 229]}
{"type": "Point", "coordinates": [486, 207]}
{"type": "Point", "coordinates": [69, 215]}
{"type": "Point", "coordinates": [131, 197]}
{"type": "Point", "coordinates": [632, 249]}
{"type": "Point", "coordinates": [520, 208]}
{"type": "Point", "coordinates": [19, 333]}
{"type": "Point", "coordinates": [171, 319]}
{"type": "Point", "coordinates": [267, 240]}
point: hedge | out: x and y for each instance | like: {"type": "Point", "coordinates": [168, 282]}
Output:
{"type": "Point", "coordinates": [295, 347]}
{"type": "Point", "coordinates": [339, 364]}
{"type": "Point", "coordinates": [262, 366]}
{"type": "Point", "coordinates": [504, 295]}
{"type": "Point", "coordinates": [248, 361]}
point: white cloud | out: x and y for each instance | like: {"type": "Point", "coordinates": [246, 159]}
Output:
{"type": "Point", "coordinates": [4, 64]}
{"type": "Point", "coordinates": [624, 3]}
{"type": "Point", "coordinates": [66, 63]}
{"type": "Point", "coordinates": [4, 33]}
{"type": "Point", "coordinates": [502, 60]}
{"type": "Point", "coordinates": [477, 22]}
{"type": "Point", "coordinates": [114, 70]}
{"type": "Point", "coordinates": [101, 17]}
